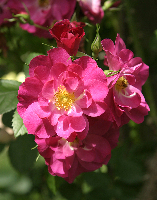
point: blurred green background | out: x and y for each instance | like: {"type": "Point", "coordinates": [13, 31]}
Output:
{"type": "Point", "coordinates": [131, 174]}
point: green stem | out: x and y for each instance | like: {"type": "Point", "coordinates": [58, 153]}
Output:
{"type": "Point", "coordinates": [90, 39]}
{"type": "Point", "coordinates": [41, 27]}
{"type": "Point", "coordinates": [138, 51]}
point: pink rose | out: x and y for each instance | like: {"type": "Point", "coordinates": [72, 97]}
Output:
{"type": "Point", "coordinates": [92, 9]}
{"type": "Point", "coordinates": [60, 94]}
{"type": "Point", "coordinates": [125, 82]}
{"type": "Point", "coordinates": [68, 35]}
{"type": "Point", "coordinates": [69, 159]}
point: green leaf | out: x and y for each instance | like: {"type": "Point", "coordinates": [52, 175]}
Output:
{"type": "Point", "coordinates": [129, 171]}
{"type": "Point", "coordinates": [101, 180]}
{"type": "Point", "coordinates": [71, 191]}
{"type": "Point", "coordinates": [18, 126]}
{"type": "Point", "coordinates": [80, 54]}
{"type": "Point", "coordinates": [21, 186]}
{"type": "Point", "coordinates": [73, 18]}
{"type": "Point", "coordinates": [8, 95]}
{"type": "Point", "coordinates": [21, 156]}
{"type": "Point", "coordinates": [51, 184]}
{"type": "Point", "coordinates": [2, 147]}
{"type": "Point", "coordinates": [7, 118]}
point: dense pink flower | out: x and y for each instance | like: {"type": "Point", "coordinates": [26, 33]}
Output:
{"type": "Point", "coordinates": [125, 82]}
{"type": "Point", "coordinates": [68, 35]}
{"type": "Point", "coordinates": [92, 9]}
{"type": "Point", "coordinates": [60, 94]}
{"type": "Point", "coordinates": [68, 159]}
{"type": "Point", "coordinates": [43, 13]}
{"type": "Point", "coordinates": [4, 12]}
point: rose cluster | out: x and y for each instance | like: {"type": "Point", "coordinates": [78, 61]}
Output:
{"type": "Point", "coordinates": [73, 108]}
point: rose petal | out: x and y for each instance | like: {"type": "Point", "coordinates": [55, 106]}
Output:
{"type": "Point", "coordinates": [36, 125]}
{"type": "Point", "coordinates": [48, 90]}
{"type": "Point", "coordinates": [126, 55]}
{"type": "Point", "coordinates": [97, 89]}
{"type": "Point", "coordinates": [119, 44]}
{"type": "Point", "coordinates": [130, 97]}
{"type": "Point", "coordinates": [59, 54]}
{"type": "Point", "coordinates": [95, 109]}
{"type": "Point", "coordinates": [84, 100]}
{"type": "Point", "coordinates": [108, 45]}
{"type": "Point", "coordinates": [40, 60]}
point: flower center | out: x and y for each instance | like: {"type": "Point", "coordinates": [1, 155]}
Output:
{"type": "Point", "coordinates": [63, 99]}
{"type": "Point", "coordinates": [43, 3]}
{"type": "Point", "coordinates": [75, 144]}
{"type": "Point", "coordinates": [121, 83]}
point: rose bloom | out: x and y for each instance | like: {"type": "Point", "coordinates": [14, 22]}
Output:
{"type": "Point", "coordinates": [125, 82]}
{"type": "Point", "coordinates": [60, 94]}
{"type": "Point", "coordinates": [92, 9]}
{"type": "Point", "coordinates": [69, 158]}
{"type": "Point", "coordinates": [43, 13]}
{"type": "Point", "coordinates": [68, 35]}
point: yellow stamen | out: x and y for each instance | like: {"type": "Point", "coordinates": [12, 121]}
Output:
{"type": "Point", "coordinates": [74, 144]}
{"type": "Point", "coordinates": [63, 99]}
{"type": "Point", "coordinates": [43, 3]}
{"type": "Point", "coordinates": [121, 83]}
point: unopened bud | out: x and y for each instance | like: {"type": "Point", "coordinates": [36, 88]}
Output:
{"type": "Point", "coordinates": [96, 44]}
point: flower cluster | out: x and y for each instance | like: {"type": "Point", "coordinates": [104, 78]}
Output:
{"type": "Point", "coordinates": [73, 109]}
{"type": "Point", "coordinates": [38, 16]}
